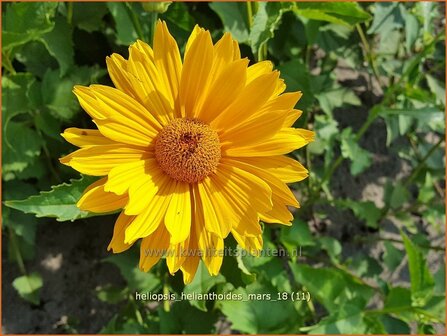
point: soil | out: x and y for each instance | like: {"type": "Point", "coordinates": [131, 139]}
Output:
{"type": "Point", "coordinates": [69, 255]}
{"type": "Point", "coordinates": [69, 258]}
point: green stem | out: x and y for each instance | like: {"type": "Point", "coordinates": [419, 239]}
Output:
{"type": "Point", "coordinates": [135, 21]}
{"type": "Point", "coordinates": [249, 13]}
{"type": "Point", "coordinates": [368, 53]}
{"type": "Point", "coordinates": [166, 305]}
{"type": "Point", "coordinates": [16, 250]}
{"type": "Point", "coordinates": [6, 61]}
{"type": "Point", "coordinates": [422, 162]}
{"type": "Point", "coordinates": [70, 12]}
{"type": "Point", "coordinates": [262, 52]}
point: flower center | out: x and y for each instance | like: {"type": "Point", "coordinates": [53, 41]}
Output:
{"type": "Point", "coordinates": [188, 150]}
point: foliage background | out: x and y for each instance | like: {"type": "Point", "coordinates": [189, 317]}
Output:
{"type": "Point", "coordinates": [371, 227]}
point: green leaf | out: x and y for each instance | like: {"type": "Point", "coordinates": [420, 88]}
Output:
{"type": "Point", "coordinates": [336, 97]}
{"type": "Point", "coordinates": [298, 234]}
{"type": "Point", "coordinates": [202, 284]}
{"type": "Point", "coordinates": [88, 15]}
{"type": "Point", "coordinates": [394, 325]}
{"type": "Point", "coordinates": [399, 196]}
{"type": "Point", "coordinates": [398, 298]}
{"type": "Point", "coordinates": [28, 287]}
{"type": "Point", "coordinates": [59, 202]}
{"type": "Point", "coordinates": [59, 44]}
{"type": "Point", "coordinates": [392, 256]}
{"type": "Point", "coordinates": [349, 319]}
{"type": "Point", "coordinates": [344, 13]}
{"type": "Point", "coordinates": [19, 151]}
{"type": "Point", "coordinates": [411, 31]}
{"type": "Point", "coordinates": [388, 16]}
{"type": "Point", "coordinates": [36, 58]}
{"type": "Point", "coordinates": [125, 32]}
{"type": "Point", "coordinates": [57, 91]}
{"type": "Point", "coordinates": [297, 78]}
{"type": "Point", "coordinates": [350, 149]}
{"type": "Point", "coordinates": [332, 246]}
{"type": "Point", "coordinates": [366, 211]}
{"type": "Point", "coordinates": [233, 16]}
{"type": "Point", "coordinates": [24, 22]}
{"type": "Point", "coordinates": [136, 279]}
{"type": "Point", "coordinates": [15, 94]}
{"type": "Point", "coordinates": [184, 319]}
{"type": "Point", "coordinates": [260, 313]}
{"type": "Point", "coordinates": [111, 294]}
{"type": "Point", "coordinates": [438, 89]}
{"type": "Point", "coordinates": [341, 288]}
{"type": "Point", "coordinates": [422, 282]}
{"type": "Point", "coordinates": [23, 225]}
{"type": "Point", "coordinates": [265, 22]}
{"type": "Point", "coordinates": [177, 14]}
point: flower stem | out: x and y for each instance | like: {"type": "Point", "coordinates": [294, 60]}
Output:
{"type": "Point", "coordinates": [249, 13]}
{"type": "Point", "coordinates": [70, 12]}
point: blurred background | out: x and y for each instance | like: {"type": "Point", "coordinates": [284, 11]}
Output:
{"type": "Point", "coordinates": [371, 228]}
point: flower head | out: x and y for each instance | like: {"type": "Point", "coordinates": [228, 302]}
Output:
{"type": "Point", "coordinates": [188, 151]}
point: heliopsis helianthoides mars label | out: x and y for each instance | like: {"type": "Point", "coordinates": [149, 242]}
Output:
{"type": "Point", "coordinates": [189, 150]}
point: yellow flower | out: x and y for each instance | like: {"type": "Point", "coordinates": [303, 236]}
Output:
{"type": "Point", "coordinates": [189, 151]}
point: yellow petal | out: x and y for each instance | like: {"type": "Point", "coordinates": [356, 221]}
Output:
{"type": "Point", "coordinates": [279, 214]}
{"type": "Point", "coordinates": [285, 141]}
{"type": "Point", "coordinates": [203, 201]}
{"type": "Point", "coordinates": [193, 37]}
{"type": "Point", "coordinates": [178, 214]}
{"type": "Point", "coordinates": [117, 115]}
{"type": "Point", "coordinates": [117, 69]}
{"type": "Point", "coordinates": [223, 90]}
{"type": "Point", "coordinates": [189, 268]}
{"type": "Point", "coordinates": [125, 111]}
{"type": "Point", "coordinates": [149, 86]}
{"type": "Point", "coordinates": [238, 211]}
{"type": "Point", "coordinates": [258, 69]}
{"type": "Point", "coordinates": [244, 185]}
{"type": "Point", "coordinates": [292, 116]}
{"type": "Point", "coordinates": [211, 211]}
{"type": "Point", "coordinates": [251, 244]}
{"type": "Point", "coordinates": [167, 58]}
{"type": "Point", "coordinates": [117, 244]}
{"type": "Point", "coordinates": [223, 55]}
{"type": "Point", "coordinates": [152, 217]}
{"type": "Point", "coordinates": [195, 72]}
{"type": "Point", "coordinates": [279, 188]}
{"type": "Point", "coordinates": [99, 160]}
{"type": "Point", "coordinates": [121, 176]}
{"type": "Point", "coordinates": [143, 190]}
{"type": "Point", "coordinates": [177, 254]}
{"type": "Point", "coordinates": [254, 130]}
{"type": "Point", "coordinates": [211, 246]}
{"type": "Point", "coordinates": [95, 199]}
{"type": "Point", "coordinates": [249, 101]}
{"type": "Point", "coordinates": [283, 167]}
{"type": "Point", "coordinates": [85, 137]}
{"type": "Point", "coordinates": [153, 247]}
